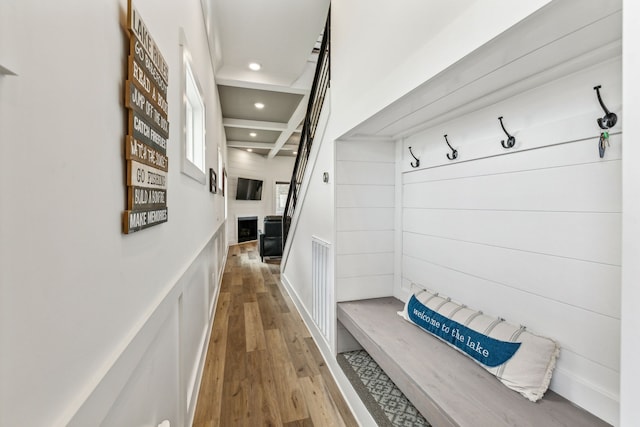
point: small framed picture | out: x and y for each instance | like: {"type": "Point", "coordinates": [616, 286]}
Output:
{"type": "Point", "coordinates": [213, 181]}
{"type": "Point", "coordinates": [224, 180]}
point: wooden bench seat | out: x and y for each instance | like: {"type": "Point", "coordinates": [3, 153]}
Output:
{"type": "Point", "coordinates": [447, 387]}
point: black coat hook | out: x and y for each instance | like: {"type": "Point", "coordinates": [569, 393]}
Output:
{"type": "Point", "coordinates": [511, 140]}
{"type": "Point", "coordinates": [610, 119]}
{"type": "Point", "coordinates": [417, 162]}
{"type": "Point", "coordinates": [454, 152]}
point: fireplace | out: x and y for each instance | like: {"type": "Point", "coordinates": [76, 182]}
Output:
{"type": "Point", "coordinates": [247, 228]}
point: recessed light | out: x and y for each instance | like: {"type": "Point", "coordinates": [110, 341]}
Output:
{"type": "Point", "coordinates": [253, 134]}
{"type": "Point", "coordinates": [259, 105]}
{"type": "Point", "coordinates": [295, 153]}
{"type": "Point", "coordinates": [249, 150]}
{"type": "Point", "coordinates": [255, 66]}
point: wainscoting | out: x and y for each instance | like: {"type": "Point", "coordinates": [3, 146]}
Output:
{"type": "Point", "coordinates": [166, 354]}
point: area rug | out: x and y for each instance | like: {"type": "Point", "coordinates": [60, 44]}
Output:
{"type": "Point", "coordinates": [386, 403]}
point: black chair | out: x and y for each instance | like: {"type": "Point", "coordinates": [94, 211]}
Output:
{"type": "Point", "coordinates": [271, 237]}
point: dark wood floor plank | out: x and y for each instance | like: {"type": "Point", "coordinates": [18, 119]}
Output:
{"type": "Point", "coordinates": [297, 348]}
{"type": "Point", "coordinates": [254, 333]}
{"type": "Point", "coordinates": [270, 320]}
{"type": "Point", "coordinates": [290, 397]}
{"type": "Point", "coordinates": [234, 404]}
{"type": "Point", "coordinates": [235, 369]}
{"type": "Point", "coordinates": [300, 423]}
{"type": "Point", "coordinates": [276, 294]}
{"type": "Point", "coordinates": [209, 397]}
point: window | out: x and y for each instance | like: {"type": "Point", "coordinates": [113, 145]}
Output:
{"type": "Point", "coordinates": [193, 115]}
{"type": "Point", "coordinates": [282, 191]}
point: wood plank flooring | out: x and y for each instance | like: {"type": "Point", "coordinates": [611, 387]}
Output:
{"type": "Point", "coordinates": [262, 367]}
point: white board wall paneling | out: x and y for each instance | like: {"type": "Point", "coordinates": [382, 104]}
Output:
{"type": "Point", "coordinates": [364, 173]}
{"type": "Point", "coordinates": [378, 196]}
{"type": "Point", "coordinates": [366, 151]}
{"type": "Point", "coordinates": [600, 402]}
{"type": "Point", "coordinates": [365, 218]}
{"type": "Point", "coordinates": [362, 219]}
{"type": "Point", "coordinates": [576, 377]}
{"type": "Point", "coordinates": [432, 149]}
{"type": "Point", "coordinates": [584, 236]}
{"type": "Point", "coordinates": [583, 284]}
{"type": "Point", "coordinates": [363, 287]}
{"type": "Point", "coordinates": [508, 81]}
{"type": "Point", "coordinates": [572, 153]}
{"type": "Point", "coordinates": [531, 234]}
{"type": "Point", "coordinates": [604, 379]}
{"type": "Point", "coordinates": [560, 111]}
{"type": "Point", "coordinates": [363, 242]}
{"type": "Point", "coordinates": [590, 187]}
{"type": "Point", "coordinates": [576, 329]}
{"type": "Point", "coordinates": [354, 265]}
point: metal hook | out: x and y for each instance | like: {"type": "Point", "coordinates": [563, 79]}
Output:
{"type": "Point", "coordinates": [417, 162]}
{"type": "Point", "coordinates": [610, 119]}
{"type": "Point", "coordinates": [454, 152]}
{"type": "Point", "coordinates": [511, 140]}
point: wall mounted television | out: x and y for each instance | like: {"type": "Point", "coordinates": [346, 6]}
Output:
{"type": "Point", "coordinates": [249, 189]}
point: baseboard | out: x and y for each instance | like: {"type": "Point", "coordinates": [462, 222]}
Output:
{"type": "Point", "coordinates": [358, 408]}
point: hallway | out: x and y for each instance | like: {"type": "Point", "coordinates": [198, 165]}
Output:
{"type": "Point", "coordinates": [262, 367]}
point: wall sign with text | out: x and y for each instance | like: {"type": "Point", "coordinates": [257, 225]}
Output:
{"type": "Point", "coordinates": [145, 98]}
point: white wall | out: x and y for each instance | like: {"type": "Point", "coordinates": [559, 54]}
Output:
{"type": "Point", "coordinates": [531, 234]}
{"type": "Point", "coordinates": [381, 50]}
{"type": "Point", "coordinates": [365, 219]}
{"type": "Point", "coordinates": [630, 370]}
{"type": "Point", "coordinates": [314, 214]}
{"type": "Point", "coordinates": [244, 164]}
{"type": "Point", "coordinates": [84, 308]}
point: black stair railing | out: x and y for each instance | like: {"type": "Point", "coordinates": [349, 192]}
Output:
{"type": "Point", "coordinates": [314, 108]}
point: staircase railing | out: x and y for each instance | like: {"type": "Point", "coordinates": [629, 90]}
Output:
{"type": "Point", "coordinates": [316, 100]}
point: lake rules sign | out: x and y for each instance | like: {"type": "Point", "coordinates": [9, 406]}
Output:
{"type": "Point", "coordinates": [145, 99]}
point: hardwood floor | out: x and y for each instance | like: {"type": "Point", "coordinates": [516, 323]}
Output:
{"type": "Point", "coordinates": [263, 368]}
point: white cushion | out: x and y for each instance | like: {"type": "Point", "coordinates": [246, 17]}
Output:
{"type": "Point", "coordinates": [522, 361]}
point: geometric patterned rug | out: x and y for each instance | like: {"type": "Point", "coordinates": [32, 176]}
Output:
{"type": "Point", "coordinates": [388, 405]}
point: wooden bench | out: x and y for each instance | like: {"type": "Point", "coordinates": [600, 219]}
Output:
{"type": "Point", "coordinates": [447, 387]}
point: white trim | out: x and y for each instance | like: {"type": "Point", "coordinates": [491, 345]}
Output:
{"type": "Point", "coordinates": [358, 409]}
{"type": "Point", "coordinates": [205, 347]}
{"type": "Point", "coordinates": [189, 168]}
{"type": "Point", "coordinates": [397, 256]}
{"type": "Point", "coordinates": [93, 402]}
{"type": "Point", "coordinates": [292, 125]}
{"type": "Point", "coordinates": [254, 124]}
{"type": "Point", "coordinates": [4, 71]}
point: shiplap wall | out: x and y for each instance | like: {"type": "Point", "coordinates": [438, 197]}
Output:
{"type": "Point", "coordinates": [365, 212]}
{"type": "Point", "coordinates": [531, 234]}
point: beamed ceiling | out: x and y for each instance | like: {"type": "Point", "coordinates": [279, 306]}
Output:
{"type": "Point", "coordinates": [280, 36]}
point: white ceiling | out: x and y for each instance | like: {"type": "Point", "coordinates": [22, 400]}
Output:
{"type": "Point", "coordinates": [280, 35]}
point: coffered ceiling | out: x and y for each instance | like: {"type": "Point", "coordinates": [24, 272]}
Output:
{"type": "Point", "coordinates": [280, 35]}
